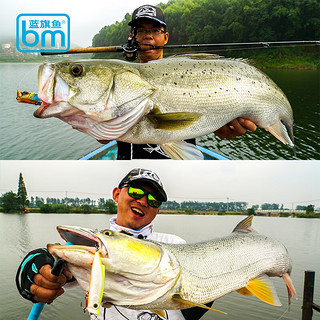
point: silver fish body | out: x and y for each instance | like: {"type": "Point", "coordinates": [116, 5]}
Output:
{"type": "Point", "coordinates": [163, 101]}
{"type": "Point", "coordinates": [144, 274]}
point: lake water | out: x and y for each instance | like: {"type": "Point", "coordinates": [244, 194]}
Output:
{"type": "Point", "coordinates": [22, 233]}
{"type": "Point", "coordinates": [25, 137]}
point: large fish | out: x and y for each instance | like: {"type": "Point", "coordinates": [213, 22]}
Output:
{"type": "Point", "coordinates": [163, 101]}
{"type": "Point", "coordinates": [142, 274]}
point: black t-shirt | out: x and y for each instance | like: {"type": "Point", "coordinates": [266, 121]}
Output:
{"type": "Point", "coordinates": [128, 151]}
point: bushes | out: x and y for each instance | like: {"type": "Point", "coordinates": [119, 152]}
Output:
{"type": "Point", "coordinates": [54, 208]}
{"type": "Point", "coordinates": [62, 208]}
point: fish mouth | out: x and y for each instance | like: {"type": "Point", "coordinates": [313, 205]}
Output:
{"type": "Point", "coordinates": [54, 94]}
{"type": "Point", "coordinates": [80, 236]}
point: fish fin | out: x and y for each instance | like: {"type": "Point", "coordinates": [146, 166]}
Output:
{"type": "Point", "coordinates": [173, 121]}
{"type": "Point", "coordinates": [191, 304]}
{"type": "Point", "coordinates": [244, 291]}
{"type": "Point", "coordinates": [263, 289]}
{"type": "Point", "coordinates": [244, 225]}
{"type": "Point", "coordinates": [290, 287]}
{"type": "Point", "coordinates": [182, 150]}
{"type": "Point", "coordinates": [280, 132]}
{"type": "Point", "coordinates": [160, 313]}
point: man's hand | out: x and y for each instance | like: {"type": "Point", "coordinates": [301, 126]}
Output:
{"type": "Point", "coordinates": [235, 128]}
{"type": "Point", "coordinates": [48, 287]}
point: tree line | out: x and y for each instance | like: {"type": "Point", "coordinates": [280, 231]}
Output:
{"type": "Point", "coordinates": [17, 202]}
{"type": "Point", "coordinates": [207, 21]}
{"type": "Point", "coordinates": [205, 206]}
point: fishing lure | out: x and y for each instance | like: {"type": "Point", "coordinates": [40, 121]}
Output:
{"type": "Point", "coordinates": [96, 285]}
{"type": "Point", "coordinates": [28, 97]}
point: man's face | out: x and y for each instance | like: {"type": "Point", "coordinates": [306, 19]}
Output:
{"type": "Point", "coordinates": [151, 39]}
{"type": "Point", "coordinates": [132, 213]}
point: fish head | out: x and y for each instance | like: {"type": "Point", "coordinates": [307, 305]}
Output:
{"type": "Point", "coordinates": [86, 93]}
{"type": "Point", "coordinates": [78, 87]}
{"type": "Point", "coordinates": [118, 251]}
{"type": "Point", "coordinates": [136, 270]}
{"type": "Point", "coordinates": [128, 254]}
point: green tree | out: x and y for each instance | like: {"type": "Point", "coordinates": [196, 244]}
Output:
{"type": "Point", "coordinates": [110, 207]}
{"type": "Point", "coordinates": [251, 211]}
{"type": "Point", "coordinates": [22, 193]}
{"type": "Point", "coordinates": [85, 208]}
{"type": "Point", "coordinates": [39, 202]}
{"type": "Point", "coordinates": [10, 201]}
{"type": "Point", "coordinates": [309, 209]}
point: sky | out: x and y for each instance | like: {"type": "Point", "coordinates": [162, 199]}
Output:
{"type": "Point", "coordinates": [86, 18]}
{"type": "Point", "coordinates": [256, 182]}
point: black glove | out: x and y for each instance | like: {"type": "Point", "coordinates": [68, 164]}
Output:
{"type": "Point", "coordinates": [28, 268]}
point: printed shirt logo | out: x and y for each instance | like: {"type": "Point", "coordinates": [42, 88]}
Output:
{"type": "Point", "coordinates": [146, 11]}
{"type": "Point", "coordinates": [156, 149]}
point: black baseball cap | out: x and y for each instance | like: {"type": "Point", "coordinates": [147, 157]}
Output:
{"type": "Point", "coordinates": [147, 12]}
{"type": "Point", "coordinates": [147, 176]}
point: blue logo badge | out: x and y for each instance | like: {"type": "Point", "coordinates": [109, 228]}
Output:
{"type": "Point", "coordinates": [43, 32]}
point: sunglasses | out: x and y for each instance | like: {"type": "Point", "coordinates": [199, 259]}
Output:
{"type": "Point", "coordinates": [138, 193]}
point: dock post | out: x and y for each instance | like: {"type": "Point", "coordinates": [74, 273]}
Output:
{"type": "Point", "coordinates": [308, 295]}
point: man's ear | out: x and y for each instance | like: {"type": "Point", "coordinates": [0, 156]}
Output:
{"type": "Point", "coordinates": [166, 37]}
{"type": "Point", "coordinates": [115, 194]}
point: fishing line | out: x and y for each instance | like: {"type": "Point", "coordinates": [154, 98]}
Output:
{"type": "Point", "coordinates": [283, 313]}
{"type": "Point", "coordinates": [25, 78]}
{"type": "Point", "coordinates": [121, 313]}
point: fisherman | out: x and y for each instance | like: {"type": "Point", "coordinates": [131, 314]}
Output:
{"type": "Point", "coordinates": [148, 26]}
{"type": "Point", "coordinates": [139, 196]}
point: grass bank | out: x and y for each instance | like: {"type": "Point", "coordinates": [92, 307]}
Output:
{"type": "Point", "coordinates": [298, 58]}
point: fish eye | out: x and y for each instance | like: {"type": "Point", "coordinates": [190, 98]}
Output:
{"type": "Point", "coordinates": [107, 233]}
{"type": "Point", "coordinates": [76, 70]}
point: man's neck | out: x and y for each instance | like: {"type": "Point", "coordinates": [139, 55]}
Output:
{"type": "Point", "coordinates": [140, 233]}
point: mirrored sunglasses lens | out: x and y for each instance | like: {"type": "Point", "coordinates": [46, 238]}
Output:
{"type": "Point", "coordinates": [135, 193]}
{"type": "Point", "coordinates": [153, 202]}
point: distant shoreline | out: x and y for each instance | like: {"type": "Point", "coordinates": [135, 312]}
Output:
{"type": "Point", "coordinates": [291, 63]}
{"type": "Point", "coordinates": [181, 212]}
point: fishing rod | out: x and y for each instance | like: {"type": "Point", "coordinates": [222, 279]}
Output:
{"type": "Point", "coordinates": [131, 48]}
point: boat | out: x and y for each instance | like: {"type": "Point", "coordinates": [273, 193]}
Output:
{"type": "Point", "coordinates": [109, 151]}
